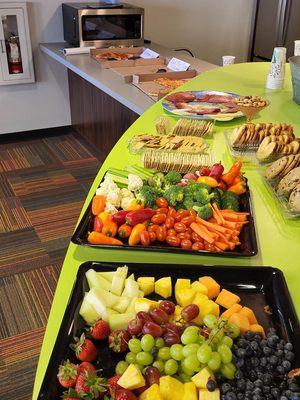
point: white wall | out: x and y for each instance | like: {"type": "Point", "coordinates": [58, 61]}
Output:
{"type": "Point", "coordinates": [211, 28]}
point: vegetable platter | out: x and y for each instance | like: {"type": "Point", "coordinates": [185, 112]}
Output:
{"type": "Point", "coordinates": [208, 211]}
{"type": "Point", "coordinates": [220, 334]}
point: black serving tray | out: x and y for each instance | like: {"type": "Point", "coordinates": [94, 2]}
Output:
{"type": "Point", "coordinates": [248, 247]}
{"type": "Point", "coordinates": [256, 286]}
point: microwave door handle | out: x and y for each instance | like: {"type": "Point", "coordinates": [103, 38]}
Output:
{"type": "Point", "coordinates": [286, 20]}
{"type": "Point", "coordinates": [74, 27]}
{"type": "Point", "coordinates": [280, 21]}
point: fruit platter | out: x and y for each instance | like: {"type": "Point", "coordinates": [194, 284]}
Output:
{"type": "Point", "coordinates": [208, 211]}
{"type": "Point", "coordinates": [204, 104]}
{"type": "Point", "coordinates": [172, 332]}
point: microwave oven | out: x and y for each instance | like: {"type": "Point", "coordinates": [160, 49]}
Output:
{"type": "Point", "coordinates": [103, 24]}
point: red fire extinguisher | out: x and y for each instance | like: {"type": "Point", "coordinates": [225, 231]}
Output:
{"type": "Point", "coordinates": [14, 55]}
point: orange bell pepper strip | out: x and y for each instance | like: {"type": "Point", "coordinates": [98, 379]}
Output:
{"type": "Point", "coordinates": [238, 188]}
{"type": "Point", "coordinates": [110, 228]}
{"type": "Point", "coordinates": [234, 171]}
{"type": "Point", "coordinates": [124, 231]}
{"type": "Point", "coordinates": [135, 236]}
{"type": "Point", "coordinates": [98, 204]}
{"type": "Point", "coordinates": [100, 238]}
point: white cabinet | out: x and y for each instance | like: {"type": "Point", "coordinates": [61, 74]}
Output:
{"type": "Point", "coordinates": [16, 65]}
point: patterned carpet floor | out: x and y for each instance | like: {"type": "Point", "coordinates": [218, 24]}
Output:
{"type": "Point", "coordinates": [43, 183]}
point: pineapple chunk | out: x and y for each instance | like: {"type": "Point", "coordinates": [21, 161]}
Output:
{"type": "Point", "coordinates": [201, 378]}
{"type": "Point", "coordinates": [144, 304]}
{"type": "Point", "coordinates": [118, 281]}
{"type": "Point", "coordinates": [190, 391]}
{"type": "Point", "coordinates": [152, 393]}
{"type": "Point", "coordinates": [185, 297]}
{"type": "Point", "coordinates": [204, 394]}
{"type": "Point", "coordinates": [122, 304]}
{"type": "Point", "coordinates": [88, 313]}
{"type": "Point", "coordinates": [182, 284]}
{"type": "Point", "coordinates": [96, 280]}
{"type": "Point", "coordinates": [146, 284]}
{"type": "Point", "coordinates": [163, 287]}
{"type": "Point", "coordinates": [199, 287]}
{"type": "Point", "coordinates": [171, 388]}
{"type": "Point", "coordinates": [120, 321]}
{"type": "Point", "coordinates": [209, 307]}
{"type": "Point", "coordinates": [132, 378]}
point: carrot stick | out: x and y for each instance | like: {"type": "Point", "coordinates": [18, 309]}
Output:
{"type": "Point", "coordinates": [234, 217]}
{"type": "Point", "coordinates": [202, 232]}
{"type": "Point", "coordinates": [221, 245]}
{"type": "Point", "coordinates": [215, 227]}
{"type": "Point", "coordinates": [212, 220]}
{"type": "Point", "coordinates": [217, 211]}
{"type": "Point", "coordinates": [227, 210]}
{"type": "Point", "coordinates": [224, 238]}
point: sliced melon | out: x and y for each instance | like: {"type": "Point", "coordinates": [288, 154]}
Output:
{"type": "Point", "coordinates": [120, 321]}
{"type": "Point", "coordinates": [131, 306]}
{"type": "Point", "coordinates": [88, 312]}
{"type": "Point", "coordinates": [122, 304]}
{"type": "Point", "coordinates": [107, 313]}
{"type": "Point", "coordinates": [117, 284]}
{"type": "Point", "coordinates": [131, 288]}
{"type": "Point", "coordinates": [96, 280]}
{"type": "Point", "coordinates": [107, 275]}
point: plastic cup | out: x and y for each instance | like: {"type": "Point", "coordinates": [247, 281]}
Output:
{"type": "Point", "coordinates": [297, 48]}
{"type": "Point", "coordinates": [228, 60]}
{"type": "Point", "coordinates": [275, 78]}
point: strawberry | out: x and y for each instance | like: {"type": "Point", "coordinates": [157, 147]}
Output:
{"type": "Point", "coordinates": [118, 340]}
{"type": "Point", "coordinates": [124, 394]}
{"type": "Point", "coordinates": [85, 350]}
{"type": "Point", "coordinates": [113, 385]}
{"type": "Point", "coordinates": [90, 385]}
{"type": "Point", "coordinates": [100, 330]}
{"type": "Point", "coordinates": [71, 394]}
{"type": "Point", "coordinates": [85, 366]}
{"type": "Point", "coordinates": [67, 374]}
{"type": "Point", "coordinates": [140, 390]}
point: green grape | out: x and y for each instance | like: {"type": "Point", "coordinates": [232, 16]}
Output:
{"type": "Point", "coordinates": [214, 362]}
{"type": "Point", "coordinates": [227, 341]}
{"type": "Point", "coordinates": [210, 321]}
{"type": "Point", "coordinates": [159, 342]}
{"type": "Point", "coordinates": [232, 330]}
{"type": "Point", "coordinates": [121, 367]}
{"type": "Point", "coordinates": [176, 351]}
{"type": "Point", "coordinates": [130, 358]}
{"type": "Point", "coordinates": [190, 349]}
{"type": "Point", "coordinates": [225, 353]}
{"type": "Point", "coordinates": [164, 353]}
{"type": "Point", "coordinates": [147, 342]}
{"type": "Point", "coordinates": [201, 339]}
{"type": "Point", "coordinates": [144, 358]}
{"type": "Point", "coordinates": [228, 370]}
{"type": "Point", "coordinates": [204, 353]}
{"type": "Point", "coordinates": [191, 362]}
{"type": "Point", "coordinates": [160, 365]}
{"type": "Point", "coordinates": [185, 370]}
{"type": "Point", "coordinates": [171, 367]}
{"type": "Point", "coordinates": [134, 346]}
{"type": "Point", "coordinates": [140, 367]}
{"type": "Point", "coordinates": [190, 335]}
{"type": "Point", "coordinates": [184, 378]}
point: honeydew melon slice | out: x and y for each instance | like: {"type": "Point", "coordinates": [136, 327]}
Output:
{"type": "Point", "coordinates": [96, 280]}
{"type": "Point", "coordinates": [107, 275]}
{"type": "Point", "coordinates": [88, 312]}
{"type": "Point", "coordinates": [120, 321]}
{"type": "Point", "coordinates": [131, 288]}
{"type": "Point", "coordinates": [108, 312]}
{"type": "Point", "coordinates": [117, 284]}
{"type": "Point", "coordinates": [122, 304]}
{"type": "Point", "coordinates": [131, 306]}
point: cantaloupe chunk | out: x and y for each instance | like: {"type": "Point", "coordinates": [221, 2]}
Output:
{"type": "Point", "coordinates": [213, 288]}
{"type": "Point", "coordinates": [227, 299]}
{"type": "Point", "coordinates": [241, 321]}
{"type": "Point", "coordinates": [249, 314]}
{"type": "Point", "coordinates": [233, 309]}
{"type": "Point", "coordinates": [257, 329]}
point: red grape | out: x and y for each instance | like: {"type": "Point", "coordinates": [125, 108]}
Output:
{"type": "Point", "coordinates": [172, 328]}
{"type": "Point", "coordinates": [190, 312]}
{"type": "Point", "coordinates": [152, 376]}
{"type": "Point", "coordinates": [135, 327]}
{"type": "Point", "coordinates": [167, 306]}
{"type": "Point", "coordinates": [143, 317]}
{"type": "Point", "coordinates": [171, 338]}
{"type": "Point", "coordinates": [158, 315]}
{"type": "Point", "coordinates": [152, 328]}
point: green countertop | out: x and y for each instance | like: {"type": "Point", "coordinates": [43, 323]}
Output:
{"type": "Point", "coordinates": [278, 238]}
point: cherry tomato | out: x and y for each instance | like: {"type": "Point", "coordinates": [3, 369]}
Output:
{"type": "Point", "coordinates": [173, 241]}
{"type": "Point", "coordinates": [158, 219]}
{"type": "Point", "coordinates": [189, 230]}
{"type": "Point", "coordinates": [179, 227]}
{"type": "Point", "coordinates": [195, 237]}
{"type": "Point", "coordinates": [181, 214]}
{"type": "Point", "coordinates": [193, 213]}
{"type": "Point", "coordinates": [161, 202]}
{"type": "Point", "coordinates": [172, 212]}
{"type": "Point", "coordinates": [162, 210]}
{"type": "Point", "coordinates": [188, 220]}
{"type": "Point", "coordinates": [183, 235]}
{"type": "Point", "coordinates": [152, 236]}
{"type": "Point", "coordinates": [145, 238]}
{"type": "Point", "coordinates": [198, 246]}
{"type": "Point", "coordinates": [209, 247]}
{"type": "Point", "coordinates": [170, 221]}
{"type": "Point", "coordinates": [171, 232]}
{"type": "Point", "coordinates": [186, 244]}
{"type": "Point", "coordinates": [153, 228]}
{"type": "Point", "coordinates": [161, 233]}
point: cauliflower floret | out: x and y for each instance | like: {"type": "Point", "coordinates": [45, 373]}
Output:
{"type": "Point", "coordinates": [127, 197]}
{"type": "Point", "coordinates": [114, 197]}
{"type": "Point", "coordinates": [110, 208]}
{"type": "Point", "coordinates": [134, 182]}
{"type": "Point", "coordinates": [110, 190]}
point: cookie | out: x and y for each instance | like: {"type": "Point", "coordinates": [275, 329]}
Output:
{"type": "Point", "coordinates": [294, 200]}
{"type": "Point", "coordinates": [275, 168]}
{"type": "Point", "coordinates": [289, 182]}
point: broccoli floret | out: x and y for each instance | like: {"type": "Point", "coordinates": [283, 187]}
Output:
{"type": "Point", "coordinates": [204, 212]}
{"type": "Point", "coordinates": [174, 195]}
{"type": "Point", "coordinates": [216, 198]}
{"type": "Point", "coordinates": [205, 186]}
{"type": "Point", "coordinates": [172, 178]}
{"type": "Point", "coordinates": [147, 195]}
{"type": "Point", "coordinates": [158, 180]}
{"type": "Point", "coordinates": [188, 202]}
{"type": "Point", "coordinates": [230, 201]}
{"type": "Point", "coordinates": [203, 196]}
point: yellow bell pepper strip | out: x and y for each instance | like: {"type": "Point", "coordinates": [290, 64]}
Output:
{"type": "Point", "coordinates": [134, 205]}
{"type": "Point", "coordinates": [212, 182]}
{"type": "Point", "coordinates": [238, 188]}
{"type": "Point", "coordinates": [98, 204]}
{"type": "Point", "coordinates": [104, 216]}
{"type": "Point", "coordinates": [100, 238]}
{"type": "Point", "coordinates": [234, 171]}
{"type": "Point", "coordinates": [135, 236]}
{"type": "Point", "coordinates": [110, 228]}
